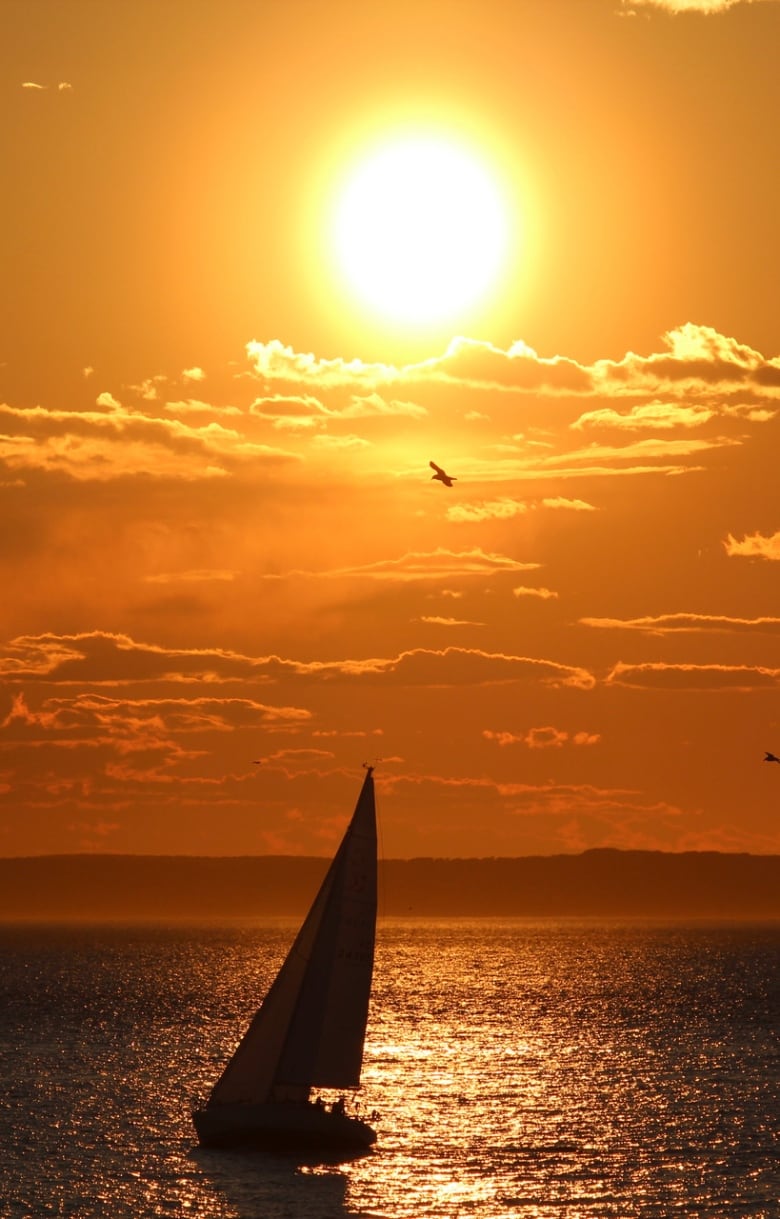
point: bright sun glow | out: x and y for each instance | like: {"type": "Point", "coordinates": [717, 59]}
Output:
{"type": "Point", "coordinates": [420, 230]}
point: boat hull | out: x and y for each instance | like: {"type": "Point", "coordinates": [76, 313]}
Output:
{"type": "Point", "coordinates": [281, 1127]}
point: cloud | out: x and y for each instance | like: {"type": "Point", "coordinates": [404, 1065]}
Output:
{"type": "Point", "coordinates": [63, 86]}
{"type": "Point", "coordinates": [638, 450]}
{"type": "Point", "coordinates": [666, 624]}
{"type": "Point", "coordinates": [572, 505]}
{"type": "Point", "coordinates": [197, 576]}
{"type": "Point", "coordinates": [347, 732]}
{"type": "Point", "coordinates": [754, 546]}
{"type": "Point", "coordinates": [706, 8]}
{"type": "Point", "coordinates": [298, 758]}
{"type": "Point", "coordinates": [305, 411]}
{"type": "Point", "coordinates": [547, 737]}
{"type": "Point", "coordinates": [194, 406]}
{"type": "Point", "coordinates": [108, 400]}
{"type": "Point", "coordinates": [292, 412]}
{"type": "Point", "coordinates": [462, 666]}
{"type": "Point", "coordinates": [505, 508]}
{"type": "Point", "coordinates": [439, 564]}
{"type": "Point", "coordinates": [274, 361]}
{"type": "Point", "coordinates": [465, 361]}
{"type": "Point", "coordinates": [112, 441]}
{"type": "Point", "coordinates": [606, 464]}
{"type": "Point", "coordinates": [93, 833]}
{"type": "Point", "coordinates": [94, 721]}
{"type": "Point", "coordinates": [625, 815]}
{"type": "Point", "coordinates": [657, 416]}
{"type": "Point", "coordinates": [696, 360]}
{"type": "Point", "coordinates": [518, 369]}
{"type": "Point", "coordinates": [649, 455]}
{"type": "Point", "coordinates": [659, 675]}
{"type": "Point", "coordinates": [349, 442]}
{"type": "Point", "coordinates": [149, 388]}
{"type": "Point", "coordinates": [327, 407]}
{"type": "Point", "coordinates": [366, 406]}
{"type": "Point", "coordinates": [489, 510]}
{"type": "Point", "coordinates": [522, 590]}
{"type": "Point", "coordinates": [101, 658]}
{"type": "Point", "coordinates": [432, 620]}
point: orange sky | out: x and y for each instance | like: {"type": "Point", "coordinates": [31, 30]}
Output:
{"type": "Point", "coordinates": [220, 541]}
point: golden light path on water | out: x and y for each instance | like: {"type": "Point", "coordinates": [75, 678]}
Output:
{"type": "Point", "coordinates": [582, 1071]}
{"type": "Point", "coordinates": [522, 1070]}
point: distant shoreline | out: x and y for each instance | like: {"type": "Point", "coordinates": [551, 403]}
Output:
{"type": "Point", "coordinates": [601, 882]}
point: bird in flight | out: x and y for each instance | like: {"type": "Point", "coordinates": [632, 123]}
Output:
{"type": "Point", "coordinates": [770, 757]}
{"type": "Point", "coordinates": [442, 476]}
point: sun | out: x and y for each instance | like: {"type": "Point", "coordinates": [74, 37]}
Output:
{"type": "Point", "coordinates": [420, 230]}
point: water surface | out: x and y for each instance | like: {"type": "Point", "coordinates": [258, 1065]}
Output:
{"type": "Point", "coordinates": [536, 1069]}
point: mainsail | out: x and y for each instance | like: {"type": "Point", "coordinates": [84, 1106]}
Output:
{"type": "Point", "coordinates": [310, 1029]}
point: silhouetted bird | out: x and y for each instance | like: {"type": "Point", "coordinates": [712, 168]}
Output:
{"type": "Point", "coordinates": [441, 475]}
{"type": "Point", "coordinates": [770, 757]}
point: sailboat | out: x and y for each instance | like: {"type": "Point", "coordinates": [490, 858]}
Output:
{"type": "Point", "coordinates": [309, 1031]}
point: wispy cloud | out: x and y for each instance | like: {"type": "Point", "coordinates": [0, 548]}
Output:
{"type": "Point", "coordinates": [195, 406]}
{"type": "Point", "coordinates": [706, 8]}
{"type": "Point", "coordinates": [489, 510]}
{"type": "Point", "coordinates": [89, 719]}
{"type": "Point", "coordinates": [505, 508]}
{"type": "Point", "coordinates": [754, 546]}
{"type": "Point", "coordinates": [546, 737]}
{"type": "Point", "coordinates": [546, 594]}
{"type": "Point", "coordinates": [570, 505]}
{"type": "Point", "coordinates": [651, 416]}
{"type": "Point", "coordinates": [63, 86]}
{"type": "Point", "coordinates": [667, 624]}
{"type": "Point", "coordinates": [196, 576]}
{"type": "Point", "coordinates": [439, 564]}
{"type": "Point", "coordinates": [433, 620]}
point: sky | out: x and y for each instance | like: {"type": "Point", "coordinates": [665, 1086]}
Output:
{"type": "Point", "coordinates": [261, 264]}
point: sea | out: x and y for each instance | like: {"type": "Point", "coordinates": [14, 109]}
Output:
{"type": "Point", "coordinates": [550, 1069]}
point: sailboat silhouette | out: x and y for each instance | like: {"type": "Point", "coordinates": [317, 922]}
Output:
{"type": "Point", "coordinates": [310, 1030]}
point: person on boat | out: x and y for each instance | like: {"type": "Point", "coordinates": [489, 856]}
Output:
{"type": "Point", "coordinates": [339, 1106]}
